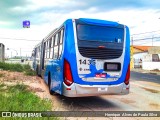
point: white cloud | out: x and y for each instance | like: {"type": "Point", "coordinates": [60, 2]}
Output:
{"type": "Point", "coordinates": [138, 21]}
{"type": "Point", "coordinates": [5, 23]}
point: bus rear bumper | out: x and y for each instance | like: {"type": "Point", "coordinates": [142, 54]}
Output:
{"type": "Point", "coordinates": [77, 90]}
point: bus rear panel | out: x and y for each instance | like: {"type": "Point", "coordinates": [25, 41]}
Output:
{"type": "Point", "coordinates": [98, 61]}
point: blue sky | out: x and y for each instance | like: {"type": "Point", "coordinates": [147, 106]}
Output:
{"type": "Point", "coordinates": [45, 15]}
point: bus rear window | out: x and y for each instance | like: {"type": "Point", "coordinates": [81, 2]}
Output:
{"type": "Point", "coordinates": [100, 33]}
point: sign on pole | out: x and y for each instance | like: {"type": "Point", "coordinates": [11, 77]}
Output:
{"type": "Point", "coordinates": [26, 24]}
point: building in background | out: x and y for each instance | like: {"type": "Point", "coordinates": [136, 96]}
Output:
{"type": "Point", "coordinates": [145, 57]}
{"type": "Point", "coordinates": [138, 54]}
{"type": "Point", "coordinates": [151, 61]}
{"type": "Point", "coordinates": [2, 52]}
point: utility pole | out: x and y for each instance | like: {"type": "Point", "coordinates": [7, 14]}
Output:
{"type": "Point", "coordinates": [11, 51]}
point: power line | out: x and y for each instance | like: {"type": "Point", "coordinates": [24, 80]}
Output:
{"type": "Point", "coordinates": [145, 39]}
{"type": "Point", "coordinates": [20, 39]}
{"type": "Point", "coordinates": [146, 32]}
{"type": "Point", "coordinates": [146, 42]}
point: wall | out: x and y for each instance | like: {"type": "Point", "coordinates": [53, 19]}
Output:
{"type": "Point", "coordinates": [139, 55]}
{"type": "Point", "coordinates": [137, 59]}
{"type": "Point", "coordinates": [154, 50]}
{"type": "Point", "coordinates": [2, 52]}
{"type": "Point", "coordinates": [150, 65]}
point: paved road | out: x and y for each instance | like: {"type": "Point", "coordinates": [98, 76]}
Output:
{"type": "Point", "coordinates": [145, 77]}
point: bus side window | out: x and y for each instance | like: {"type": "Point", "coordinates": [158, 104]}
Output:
{"type": "Point", "coordinates": [44, 54]}
{"type": "Point", "coordinates": [61, 42]}
{"type": "Point", "coordinates": [56, 47]}
{"type": "Point", "coordinates": [35, 53]}
{"type": "Point", "coordinates": [45, 49]}
{"type": "Point", "coordinates": [50, 43]}
{"type": "Point", "coordinates": [38, 52]}
{"type": "Point", "coordinates": [51, 46]}
{"type": "Point", "coordinates": [48, 49]}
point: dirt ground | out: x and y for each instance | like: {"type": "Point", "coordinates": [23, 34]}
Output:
{"type": "Point", "coordinates": [35, 84]}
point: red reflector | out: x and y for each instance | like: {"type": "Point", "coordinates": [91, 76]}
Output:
{"type": "Point", "coordinates": [68, 88]}
{"type": "Point", "coordinates": [67, 73]}
{"type": "Point", "coordinates": [127, 76]}
{"type": "Point", "coordinates": [101, 46]}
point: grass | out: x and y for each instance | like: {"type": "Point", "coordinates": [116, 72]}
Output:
{"type": "Point", "coordinates": [12, 67]}
{"type": "Point", "coordinates": [18, 68]}
{"type": "Point", "coordinates": [28, 70]}
{"type": "Point", "coordinates": [19, 98]}
{"type": "Point", "coordinates": [1, 86]}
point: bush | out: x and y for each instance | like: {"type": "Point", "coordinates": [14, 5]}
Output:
{"type": "Point", "coordinates": [17, 68]}
{"type": "Point", "coordinates": [12, 67]}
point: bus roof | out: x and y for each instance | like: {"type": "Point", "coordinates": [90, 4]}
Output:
{"type": "Point", "coordinates": [99, 22]}
{"type": "Point", "coordinates": [50, 34]}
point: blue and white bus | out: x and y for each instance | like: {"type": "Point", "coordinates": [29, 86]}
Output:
{"type": "Point", "coordinates": [85, 57]}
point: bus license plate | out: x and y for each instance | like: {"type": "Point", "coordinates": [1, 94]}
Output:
{"type": "Point", "coordinates": [100, 75]}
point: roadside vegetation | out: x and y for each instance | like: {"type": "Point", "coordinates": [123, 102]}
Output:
{"type": "Point", "coordinates": [16, 96]}
{"type": "Point", "coordinates": [17, 68]}
{"type": "Point", "coordinates": [19, 98]}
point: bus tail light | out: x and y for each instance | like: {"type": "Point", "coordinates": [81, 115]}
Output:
{"type": "Point", "coordinates": [68, 80]}
{"type": "Point", "coordinates": [127, 76]}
